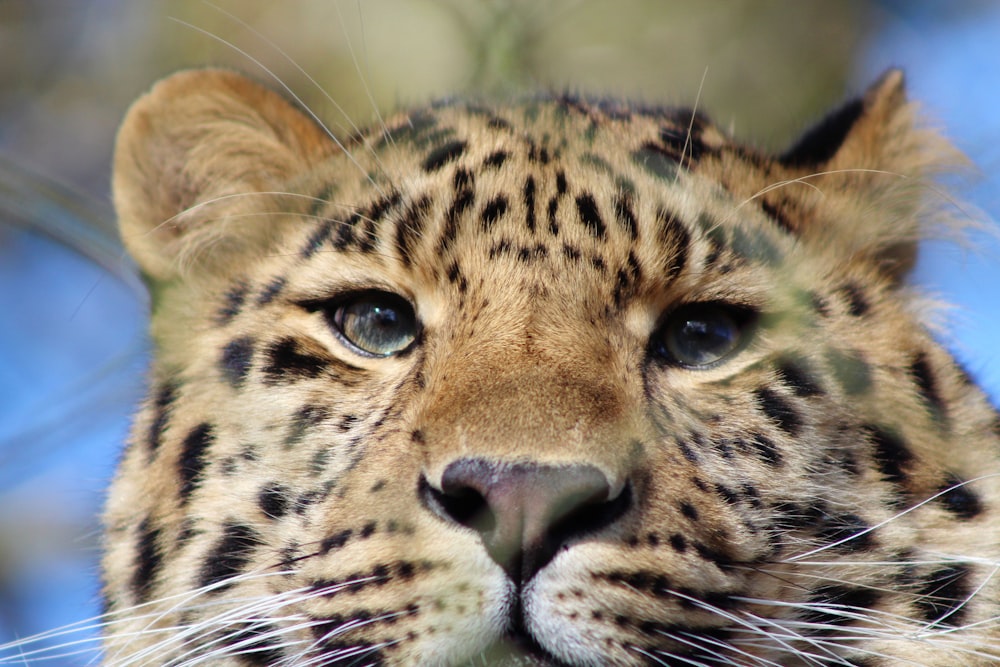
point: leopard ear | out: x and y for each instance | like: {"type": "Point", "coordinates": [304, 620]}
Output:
{"type": "Point", "coordinates": [186, 153]}
{"type": "Point", "coordinates": [871, 164]}
{"type": "Point", "coordinates": [856, 131]}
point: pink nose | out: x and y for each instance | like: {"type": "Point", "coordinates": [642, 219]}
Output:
{"type": "Point", "coordinates": [525, 512]}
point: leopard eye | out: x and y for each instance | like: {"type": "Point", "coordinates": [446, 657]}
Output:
{"type": "Point", "coordinates": [700, 335]}
{"type": "Point", "coordinates": [379, 324]}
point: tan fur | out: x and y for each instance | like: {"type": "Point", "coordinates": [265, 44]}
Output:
{"type": "Point", "coordinates": [284, 498]}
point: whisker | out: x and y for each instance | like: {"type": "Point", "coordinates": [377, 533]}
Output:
{"type": "Point", "coordinates": [694, 113]}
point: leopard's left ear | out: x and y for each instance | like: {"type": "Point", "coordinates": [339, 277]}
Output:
{"type": "Point", "coordinates": [870, 162]}
{"type": "Point", "coordinates": [195, 157]}
{"type": "Point", "coordinates": [867, 132]}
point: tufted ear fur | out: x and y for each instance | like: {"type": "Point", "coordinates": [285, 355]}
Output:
{"type": "Point", "coordinates": [186, 148]}
{"type": "Point", "coordinates": [870, 164]}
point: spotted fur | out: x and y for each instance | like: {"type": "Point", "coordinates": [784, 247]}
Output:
{"type": "Point", "coordinates": [539, 477]}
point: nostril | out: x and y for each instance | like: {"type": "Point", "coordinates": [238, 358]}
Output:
{"type": "Point", "coordinates": [461, 504]}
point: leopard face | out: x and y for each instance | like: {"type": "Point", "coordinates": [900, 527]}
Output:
{"type": "Point", "coordinates": [562, 382]}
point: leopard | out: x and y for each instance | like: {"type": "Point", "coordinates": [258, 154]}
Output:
{"type": "Point", "coordinates": [552, 381]}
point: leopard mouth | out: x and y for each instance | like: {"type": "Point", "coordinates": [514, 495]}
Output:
{"type": "Point", "coordinates": [518, 649]}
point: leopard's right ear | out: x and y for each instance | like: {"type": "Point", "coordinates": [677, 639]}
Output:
{"type": "Point", "coordinates": [190, 156]}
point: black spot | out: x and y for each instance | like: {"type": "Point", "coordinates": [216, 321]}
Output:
{"type": "Point", "coordinates": [921, 371]}
{"type": "Point", "coordinates": [529, 202]}
{"type": "Point", "coordinates": [410, 227]}
{"type": "Point", "coordinates": [766, 450]}
{"type": "Point", "coordinates": [686, 450]}
{"type": "Point", "coordinates": [849, 532]}
{"type": "Point", "coordinates": [680, 141]}
{"type": "Point", "coordinates": [626, 280]}
{"type": "Point", "coordinates": [455, 276]}
{"type": "Point", "coordinates": [272, 290]}
{"type": "Point", "coordinates": [306, 500]}
{"type": "Point", "coordinates": [891, 454]}
{"type": "Point", "coordinates": [234, 299]}
{"type": "Point", "coordinates": [162, 402]}
{"type": "Point", "coordinates": [366, 238]}
{"type": "Point", "coordinates": [561, 185]}
{"type": "Point", "coordinates": [192, 460]}
{"type": "Point", "coordinates": [229, 555]}
{"type": "Point", "coordinates": [552, 209]}
{"type": "Point", "coordinates": [537, 153]}
{"type": "Point", "coordinates": [791, 516]}
{"type": "Point", "coordinates": [850, 370]}
{"type": "Point", "coordinates": [711, 555]}
{"type": "Point", "coordinates": [959, 499]}
{"type": "Point", "coordinates": [725, 447]}
{"type": "Point", "coordinates": [273, 500]}
{"type": "Point", "coordinates": [319, 237]}
{"type": "Point", "coordinates": [678, 543]}
{"type": "Point", "coordinates": [818, 304]}
{"type": "Point", "coordinates": [287, 364]}
{"type": "Point", "coordinates": [463, 200]}
{"type": "Point", "coordinates": [674, 235]}
{"type": "Point", "coordinates": [335, 541]}
{"type": "Point", "coordinates": [529, 253]}
{"type": "Point", "coordinates": [751, 493]}
{"type": "Point", "coordinates": [590, 216]}
{"type": "Point", "coordinates": [857, 304]}
{"type": "Point", "coordinates": [501, 247]}
{"type": "Point", "coordinates": [625, 215]}
{"type": "Point", "coordinates": [347, 422]}
{"type": "Point", "coordinates": [442, 155]}
{"type": "Point", "coordinates": [493, 211]}
{"type": "Point", "coordinates": [822, 142]}
{"type": "Point", "coordinates": [496, 159]}
{"type": "Point", "coordinates": [345, 235]}
{"type": "Point", "coordinates": [779, 411]}
{"type": "Point", "coordinates": [571, 252]}
{"type": "Point", "coordinates": [498, 123]}
{"type": "Point", "coordinates": [414, 128]}
{"type": "Point", "coordinates": [147, 559]}
{"type": "Point", "coordinates": [237, 358]}
{"type": "Point", "coordinates": [688, 510]}
{"type": "Point", "coordinates": [834, 605]}
{"type": "Point", "coordinates": [943, 595]}
{"type": "Point", "coordinates": [796, 374]}
{"type": "Point", "coordinates": [731, 497]}
{"type": "Point", "coordinates": [463, 179]}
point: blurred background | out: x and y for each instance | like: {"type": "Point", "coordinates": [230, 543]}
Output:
{"type": "Point", "coordinates": [72, 345]}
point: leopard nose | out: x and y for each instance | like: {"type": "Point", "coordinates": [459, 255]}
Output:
{"type": "Point", "coordinates": [525, 512]}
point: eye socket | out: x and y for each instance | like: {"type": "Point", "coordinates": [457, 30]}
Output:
{"type": "Point", "coordinates": [700, 335]}
{"type": "Point", "coordinates": [379, 324]}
